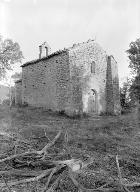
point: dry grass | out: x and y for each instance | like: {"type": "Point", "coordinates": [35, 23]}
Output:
{"type": "Point", "coordinates": [102, 138]}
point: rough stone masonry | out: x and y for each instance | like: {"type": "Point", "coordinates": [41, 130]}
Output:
{"type": "Point", "coordinates": [80, 79]}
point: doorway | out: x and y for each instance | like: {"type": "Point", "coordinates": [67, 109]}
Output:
{"type": "Point", "coordinates": [92, 101]}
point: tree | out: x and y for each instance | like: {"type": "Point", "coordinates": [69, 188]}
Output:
{"type": "Point", "coordinates": [10, 54]}
{"type": "Point", "coordinates": [135, 89]}
{"type": "Point", "coordinates": [16, 76]}
{"type": "Point", "coordinates": [124, 94]}
{"type": "Point", "coordinates": [134, 57]}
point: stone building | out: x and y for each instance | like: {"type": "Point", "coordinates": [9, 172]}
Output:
{"type": "Point", "coordinates": [18, 92]}
{"type": "Point", "coordinates": [82, 78]}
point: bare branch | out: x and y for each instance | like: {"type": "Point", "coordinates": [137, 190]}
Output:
{"type": "Point", "coordinates": [120, 176]}
{"type": "Point", "coordinates": [55, 184]}
{"type": "Point", "coordinates": [49, 178]}
{"type": "Point", "coordinates": [45, 173]}
{"type": "Point", "coordinates": [118, 167]}
{"type": "Point", "coordinates": [22, 173]}
{"type": "Point", "coordinates": [19, 155]}
{"type": "Point", "coordinates": [51, 143]}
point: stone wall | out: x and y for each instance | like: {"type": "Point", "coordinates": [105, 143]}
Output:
{"type": "Point", "coordinates": [109, 88]}
{"type": "Point", "coordinates": [115, 82]}
{"type": "Point", "coordinates": [112, 87]}
{"type": "Point", "coordinates": [64, 81]}
{"type": "Point", "coordinates": [45, 82]}
{"type": "Point", "coordinates": [83, 81]}
{"type": "Point", "coordinates": [18, 92]}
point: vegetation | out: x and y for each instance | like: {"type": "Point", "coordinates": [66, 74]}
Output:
{"type": "Point", "coordinates": [42, 151]}
{"type": "Point", "coordinates": [130, 91]}
{"type": "Point", "coordinates": [134, 64]}
{"type": "Point", "coordinates": [10, 54]}
{"type": "Point", "coordinates": [134, 56]}
{"type": "Point", "coordinates": [45, 152]}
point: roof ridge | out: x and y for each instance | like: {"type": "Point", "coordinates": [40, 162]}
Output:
{"type": "Point", "coordinates": [43, 58]}
{"type": "Point", "coordinates": [56, 53]}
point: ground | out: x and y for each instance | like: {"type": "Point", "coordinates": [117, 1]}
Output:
{"type": "Point", "coordinates": [102, 137]}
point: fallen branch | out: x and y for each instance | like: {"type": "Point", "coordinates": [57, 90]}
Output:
{"type": "Point", "coordinates": [43, 151]}
{"type": "Point", "coordinates": [22, 173]}
{"type": "Point", "coordinates": [45, 173]}
{"type": "Point", "coordinates": [19, 155]}
{"type": "Point", "coordinates": [74, 164]}
{"type": "Point", "coordinates": [55, 184]}
{"type": "Point", "coordinates": [120, 176]}
{"type": "Point", "coordinates": [36, 159]}
{"type": "Point", "coordinates": [51, 143]}
{"type": "Point", "coordinates": [49, 178]}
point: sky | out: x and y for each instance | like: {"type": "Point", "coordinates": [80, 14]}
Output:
{"type": "Point", "coordinates": [61, 23]}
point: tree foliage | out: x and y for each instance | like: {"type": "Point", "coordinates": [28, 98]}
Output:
{"type": "Point", "coordinates": [124, 94]}
{"type": "Point", "coordinates": [10, 54]}
{"type": "Point", "coordinates": [135, 89]}
{"type": "Point", "coordinates": [134, 64]}
{"type": "Point", "coordinates": [134, 56]}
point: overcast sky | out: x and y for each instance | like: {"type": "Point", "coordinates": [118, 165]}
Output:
{"type": "Point", "coordinates": [113, 23]}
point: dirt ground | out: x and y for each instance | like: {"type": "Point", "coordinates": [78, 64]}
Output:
{"type": "Point", "coordinates": [98, 136]}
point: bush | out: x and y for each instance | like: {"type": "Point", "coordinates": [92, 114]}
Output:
{"type": "Point", "coordinates": [126, 110]}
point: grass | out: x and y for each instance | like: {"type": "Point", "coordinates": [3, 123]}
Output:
{"type": "Point", "coordinates": [100, 136]}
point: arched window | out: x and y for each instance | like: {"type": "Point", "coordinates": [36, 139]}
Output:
{"type": "Point", "coordinates": [93, 67]}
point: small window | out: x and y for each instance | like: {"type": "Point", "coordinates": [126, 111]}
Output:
{"type": "Point", "coordinates": [93, 67]}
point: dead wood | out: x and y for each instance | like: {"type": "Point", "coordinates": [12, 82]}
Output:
{"type": "Point", "coordinates": [51, 143]}
{"type": "Point", "coordinates": [19, 155]}
{"type": "Point", "coordinates": [123, 187]}
{"type": "Point", "coordinates": [43, 151]}
{"type": "Point", "coordinates": [55, 184]}
{"type": "Point", "coordinates": [50, 176]}
{"type": "Point", "coordinates": [45, 173]}
{"type": "Point", "coordinates": [22, 173]}
{"type": "Point", "coordinates": [51, 169]}
{"type": "Point", "coordinates": [56, 169]}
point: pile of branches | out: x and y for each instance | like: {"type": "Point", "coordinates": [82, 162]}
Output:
{"type": "Point", "coordinates": [68, 174]}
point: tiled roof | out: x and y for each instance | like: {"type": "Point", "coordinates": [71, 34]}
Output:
{"type": "Point", "coordinates": [43, 58]}
{"type": "Point", "coordinates": [55, 53]}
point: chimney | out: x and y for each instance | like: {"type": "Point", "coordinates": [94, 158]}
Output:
{"type": "Point", "coordinates": [40, 51]}
{"type": "Point", "coordinates": [47, 51]}
{"type": "Point", "coordinates": [44, 50]}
